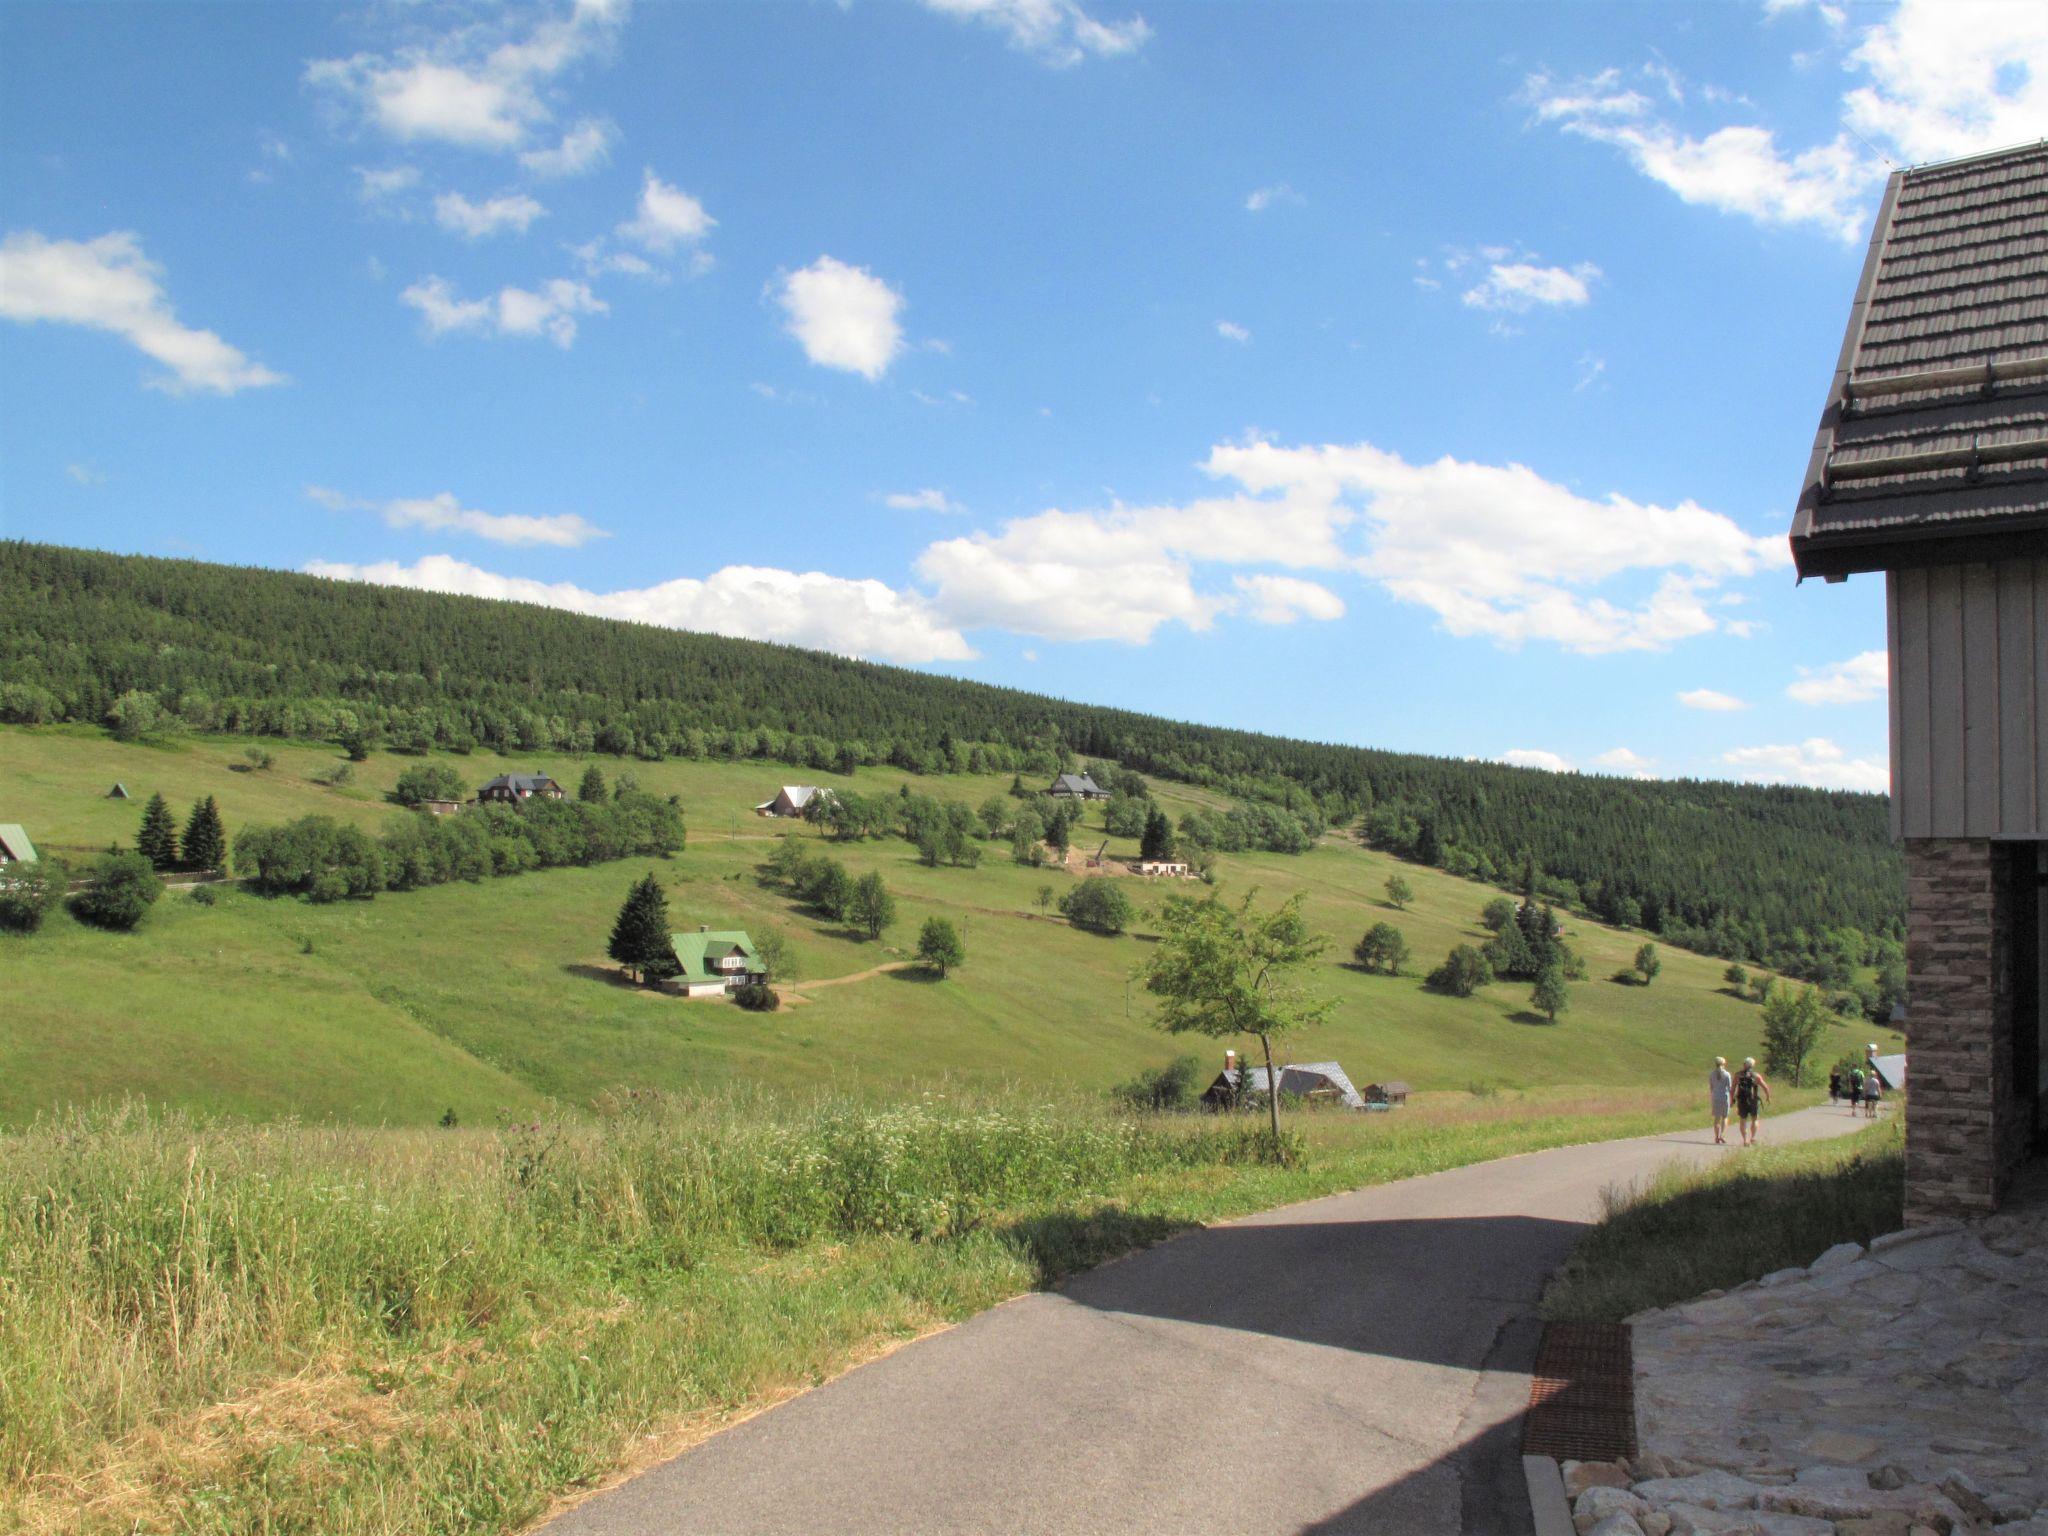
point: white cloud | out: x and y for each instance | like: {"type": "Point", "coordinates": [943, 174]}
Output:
{"type": "Point", "coordinates": [549, 312]}
{"type": "Point", "coordinates": [108, 284]}
{"type": "Point", "coordinates": [1059, 32]}
{"type": "Point", "coordinates": [583, 148]}
{"type": "Point", "coordinates": [1521, 286]}
{"type": "Point", "coordinates": [667, 217]}
{"type": "Point", "coordinates": [474, 221]}
{"type": "Point", "coordinates": [844, 317]}
{"type": "Point", "coordinates": [1708, 699]}
{"type": "Point", "coordinates": [1627, 763]}
{"type": "Point", "coordinates": [1952, 77]}
{"type": "Point", "coordinates": [1230, 330]}
{"type": "Point", "coordinates": [927, 500]}
{"type": "Point", "coordinates": [1854, 681]}
{"type": "Point", "coordinates": [1536, 757]}
{"type": "Point", "coordinates": [1283, 599]}
{"type": "Point", "coordinates": [1497, 550]}
{"type": "Point", "coordinates": [1816, 762]}
{"type": "Point", "coordinates": [442, 513]}
{"type": "Point", "coordinates": [374, 185]}
{"type": "Point", "coordinates": [854, 618]}
{"type": "Point", "coordinates": [480, 87]}
{"type": "Point", "coordinates": [1262, 198]}
{"type": "Point", "coordinates": [85, 474]}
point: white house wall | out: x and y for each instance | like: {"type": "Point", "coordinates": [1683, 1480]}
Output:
{"type": "Point", "coordinates": [1969, 699]}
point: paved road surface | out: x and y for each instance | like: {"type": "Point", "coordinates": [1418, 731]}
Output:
{"type": "Point", "coordinates": [1354, 1364]}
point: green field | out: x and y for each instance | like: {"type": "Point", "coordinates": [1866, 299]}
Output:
{"type": "Point", "coordinates": [497, 996]}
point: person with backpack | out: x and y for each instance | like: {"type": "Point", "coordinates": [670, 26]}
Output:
{"type": "Point", "coordinates": [1751, 1094]}
{"type": "Point", "coordinates": [1856, 1082]}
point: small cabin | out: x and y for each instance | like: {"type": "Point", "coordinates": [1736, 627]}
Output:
{"type": "Point", "coordinates": [441, 807]}
{"type": "Point", "coordinates": [1391, 1094]}
{"type": "Point", "coordinates": [1171, 869]}
{"type": "Point", "coordinates": [793, 800]}
{"type": "Point", "coordinates": [15, 848]}
{"type": "Point", "coordinates": [1076, 786]}
{"type": "Point", "coordinates": [512, 788]}
{"type": "Point", "coordinates": [713, 962]}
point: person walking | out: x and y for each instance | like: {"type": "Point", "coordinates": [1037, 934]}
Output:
{"type": "Point", "coordinates": [1719, 1086]}
{"type": "Point", "coordinates": [1751, 1094]}
{"type": "Point", "coordinates": [1856, 1081]}
{"type": "Point", "coordinates": [1873, 1092]}
{"type": "Point", "coordinates": [1835, 1087]}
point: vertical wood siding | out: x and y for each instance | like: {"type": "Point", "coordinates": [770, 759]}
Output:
{"type": "Point", "coordinates": [1969, 704]}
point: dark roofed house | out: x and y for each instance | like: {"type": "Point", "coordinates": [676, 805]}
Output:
{"type": "Point", "coordinates": [1392, 1093]}
{"type": "Point", "coordinates": [1931, 465]}
{"type": "Point", "coordinates": [1077, 786]}
{"type": "Point", "coordinates": [511, 788]}
{"type": "Point", "coordinates": [1314, 1080]}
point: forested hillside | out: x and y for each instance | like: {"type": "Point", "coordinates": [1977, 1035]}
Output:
{"type": "Point", "coordinates": [138, 644]}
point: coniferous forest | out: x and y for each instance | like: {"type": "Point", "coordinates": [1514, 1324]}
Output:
{"type": "Point", "coordinates": [139, 645]}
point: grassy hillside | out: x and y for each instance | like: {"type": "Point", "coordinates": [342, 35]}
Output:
{"type": "Point", "coordinates": [497, 995]}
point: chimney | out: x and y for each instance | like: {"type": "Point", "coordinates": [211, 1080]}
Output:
{"type": "Point", "coordinates": [703, 927]}
{"type": "Point", "coordinates": [1230, 1061]}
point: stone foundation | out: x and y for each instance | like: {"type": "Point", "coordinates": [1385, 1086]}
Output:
{"type": "Point", "coordinates": [1968, 1130]}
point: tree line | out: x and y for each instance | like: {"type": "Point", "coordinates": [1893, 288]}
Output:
{"type": "Point", "coordinates": [139, 645]}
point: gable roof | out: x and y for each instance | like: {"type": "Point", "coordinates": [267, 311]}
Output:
{"type": "Point", "coordinates": [1075, 784]}
{"type": "Point", "coordinates": [515, 782]}
{"type": "Point", "coordinates": [695, 949]}
{"type": "Point", "coordinates": [798, 795]}
{"type": "Point", "coordinates": [1304, 1078]}
{"type": "Point", "coordinates": [14, 843]}
{"type": "Point", "coordinates": [1933, 446]}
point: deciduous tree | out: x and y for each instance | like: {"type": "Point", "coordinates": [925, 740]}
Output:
{"type": "Point", "coordinates": [940, 946]}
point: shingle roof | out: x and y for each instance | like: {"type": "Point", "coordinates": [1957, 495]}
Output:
{"type": "Point", "coordinates": [1076, 784]}
{"type": "Point", "coordinates": [1933, 446]}
{"type": "Point", "coordinates": [1305, 1077]}
{"type": "Point", "coordinates": [518, 781]}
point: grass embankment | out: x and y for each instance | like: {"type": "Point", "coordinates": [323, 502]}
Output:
{"type": "Point", "coordinates": [1701, 1229]}
{"type": "Point", "coordinates": [498, 995]}
{"type": "Point", "coordinates": [238, 1328]}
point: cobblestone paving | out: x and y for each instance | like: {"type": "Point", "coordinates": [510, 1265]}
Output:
{"type": "Point", "coordinates": [1881, 1392]}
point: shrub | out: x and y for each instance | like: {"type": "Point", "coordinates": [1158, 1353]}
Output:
{"type": "Point", "coordinates": [28, 892]}
{"type": "Point", "coordinates": [1382, 949]}
{"type": "Point", "coordinates": [1098, 906]}
{"type": "Point", "coordinates": [122, 890]}
{"type": "Point", "coordinates": [1177, 1085]}
{"type": "Point", "coordinates": [205, 895]}
{"type": "Point", "coordinates": [1463, 972]}
{"type": "Point", "coordinates": [1497, 914]}
{"type": "Point", "coordinates": [757, 998]}
{"type": "Point", "coordinates": [429, 781]}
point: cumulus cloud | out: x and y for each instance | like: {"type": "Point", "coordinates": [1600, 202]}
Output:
{"type": "Point", "coordinates": [550, 311]}
{"type": "Point", "coordinates": [929, 499]}
{"type": "Point", "coordinates": [1059, 32]}
{"type": "Point", "coordinates": [375, 184]}
{"type": "Point", "coordinates": [1230, 330]}
{"type": "Point", "coordinates": [1262, 198]}
{"type": "Point", "coordinates": [1815, 762]}
{"type": "Point", "coordinates": [666, 218]}
{"type": "Point", "coordinates": [1283, 599]}
{"type": "Point", "coordinates": [480, 87]}
{"type": "Point", "coordinates": [109, 285]}
{"type": "Point", "coordinates": [1952, 77]}
{"type": "Point", "coordinates": [443, 513]}
{"type": "Point", "coordinates": [1708, 699]}
{"type": "Point", "coordinates": [475, 221]}
{"type": "Point", "coordinates": [1521, 286]}
{"type": "Point", "coordinates": [1627, 763]}
{"type": "Point", "coordinates": [1855, 681]}
{"type": "Point", "coordinates": [584, 148]}
{"type": "Point", "coordinates": [832, 613]}
{"type": "Point", "coordinates": [1536, 757]}
{"type": "Point", "coordinates": [843, 317]}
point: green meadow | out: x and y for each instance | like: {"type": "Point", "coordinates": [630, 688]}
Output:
{"type": "Point", "coordinates": [497, 996]}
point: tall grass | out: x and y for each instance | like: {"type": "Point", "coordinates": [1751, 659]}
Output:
{"type": "Point", "coordinates": [217, 1327]}
{"type": "Point", "coordinates": [1690, 1230]}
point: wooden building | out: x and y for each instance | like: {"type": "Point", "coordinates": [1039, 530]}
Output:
{"type": "Point", "coordinates": [1076, 786]}
{"type": "Point", "coordinates": [511, 788]}
{"type": "Point", "coordinates": [1931, 466]}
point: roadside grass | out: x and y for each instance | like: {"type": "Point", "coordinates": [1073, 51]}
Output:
{"type": "Point", "coordinates": [215, 1327]}
{"type": "Point", "coordinates": [1691, 1230]}
{"type": "Point", "coordinates": [498, 995]}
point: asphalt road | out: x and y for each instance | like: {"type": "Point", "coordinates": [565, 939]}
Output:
{"type": "Point", "coordinates": [1356, 1364]}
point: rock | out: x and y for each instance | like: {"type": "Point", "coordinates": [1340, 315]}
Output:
{"type": "Point", "coordinates": [1656, 1523]}
{"type": "Point", "coordinates": [1833, 1446]}
{"type": "Point", "coordinates": [1926, 1253]}
{"type": "Point", "coordinates": [1778, 1277]}
{"type": "Point", "coordinates": [1581, 1475]}
{"type": "Point", "coordinates": [1600, 1501]}
{"type": "Point", "coordinates": [1694, 1520]}
{"type": "Point", "coordinates": [1964, 1495]}
{"type": "Point", "coordinates": [1708, 1490]}
{"type": "Point", "coordinates": [1890, 1475]}
{"type": "Point", "coordinates": [1940, 1226]}
{"type": "Point", "coordinates": [1886, 1523]}
{"type": "Point", "coordinates": [1617, 1525]}
{"type": "Point", "coordinates": [1836, 1257]}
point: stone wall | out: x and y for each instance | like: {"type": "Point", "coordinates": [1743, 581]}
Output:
{"type": "Point", "coordinates": [1966, 1131]}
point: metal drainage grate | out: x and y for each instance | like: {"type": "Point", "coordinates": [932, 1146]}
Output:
{"type": "Point", "coordinates": [1582, 1400]}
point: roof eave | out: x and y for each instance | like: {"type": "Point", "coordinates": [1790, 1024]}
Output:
{"type": "Point", "coordinates": [1895, 549]}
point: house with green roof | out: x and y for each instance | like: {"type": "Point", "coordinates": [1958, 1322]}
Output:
{"type": "Point", "coordinates": [715, 961]}
{"type": "Point", "coordinates": [15, 848]}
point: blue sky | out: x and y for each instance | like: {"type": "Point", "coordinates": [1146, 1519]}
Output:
{"type": "Point", "coordinates": [1430, 377]}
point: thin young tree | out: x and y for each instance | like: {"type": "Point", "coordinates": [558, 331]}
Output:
{"type": "Point", "coordinates": [1399, 891]}
{"type": "Point", "coordinates": [640, 936]}
{"type": "Point", "coordinates": [1550, 995]}
{"type": "Point", "coordinates": [158, 839]}
{"type": "Point", "coordinates": [1647, 965]}
{"type": "Point", "coordinates": [1229, 971]}
{"type": "Point", "coordinates": [205, 845]}
{"type": "Point", "coordinates": [872, 907]}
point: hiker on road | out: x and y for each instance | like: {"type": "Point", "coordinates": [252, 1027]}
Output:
{"type": "Point", "coordinates": [1751, 1094]}
{"type": "Point", "coordinates": [1719, 1086]}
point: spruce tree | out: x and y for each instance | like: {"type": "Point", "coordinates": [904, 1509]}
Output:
{"type": "Point", "coordinates": [158, 839]}
{"type": "Point", "coordinates": [640, 938]}
{"type": "Point", "coordinates": [1158, 843]}
{"type": "Point", "coordinates": [591, 791]}
{"type": "Point", "coordinates": [206, 839]}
